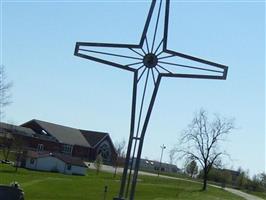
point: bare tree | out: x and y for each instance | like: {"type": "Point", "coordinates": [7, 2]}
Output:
{"type": "Point", "coordinates": [242, 178]}
{"type": "Point", "coordinates": [263, 179]}
{"type": "Point", "coordinates": [191, 168]}
{"type": "Point", "coordinates": [120, 155]}
{"type": "Point", "coordinates": [172, 153]}
{"type": "Point", "coordinates": [5, 99]}
{"type": "Point", "coordinates": [6, 141]}
{"type": "Point", "coordinates": [98, 163]}
{"type": "Point", "coordinates": [5, 96]}
{"type": "Point", "coordinates": [200, 141]}
{"type": "Point", "coordinates": [18, 147]}
{"type": "Point", "coordinates": [10, 141]}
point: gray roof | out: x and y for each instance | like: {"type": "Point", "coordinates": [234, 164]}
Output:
{"type": "Point", "coordinates": [19, 130]}
{"type": "Point", "coordinates": [155, 163]}
{"type": "Point", "coordinates": [93, 137]}
{"type": "Point", "coordinates": [64, 134]}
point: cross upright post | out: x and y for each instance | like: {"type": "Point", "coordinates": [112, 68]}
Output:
{"type": "Point", "coordinates": [149, 61]}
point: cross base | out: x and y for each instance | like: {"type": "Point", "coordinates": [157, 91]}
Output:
{"type": "Point", "coordinates": [118, 198]}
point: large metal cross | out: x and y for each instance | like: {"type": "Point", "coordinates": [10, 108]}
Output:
{"type": "Point", "coordinates": [150, 61]}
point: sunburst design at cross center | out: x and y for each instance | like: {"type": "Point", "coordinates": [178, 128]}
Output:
{"type": "Point", "coordinates": [150, 61]}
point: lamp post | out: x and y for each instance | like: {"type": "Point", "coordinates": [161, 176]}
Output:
{"type": "Point", "coordinates": [163, 147]}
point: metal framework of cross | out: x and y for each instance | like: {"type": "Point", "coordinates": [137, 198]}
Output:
{"type": "Point", "coordinates": [149, 61]}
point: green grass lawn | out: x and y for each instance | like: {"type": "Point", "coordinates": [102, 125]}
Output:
{"type": "Point", "coordinates": [55, 186]}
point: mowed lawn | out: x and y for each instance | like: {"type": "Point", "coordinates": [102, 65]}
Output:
{"type": "Point", "coordinates": [55, 186]}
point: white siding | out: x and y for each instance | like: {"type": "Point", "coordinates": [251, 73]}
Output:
{"type": "Point", "coordinates": [50, 163]}
{"type": "Point", "coordinates": [30, 165]}
{"type": "Point", "coordinates": [78, 170]}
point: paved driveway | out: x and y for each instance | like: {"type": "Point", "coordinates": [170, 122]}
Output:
{"type": "Point", "coordinates": [234, 191]}
{"type": "Point", "coordinates": [243, 194]}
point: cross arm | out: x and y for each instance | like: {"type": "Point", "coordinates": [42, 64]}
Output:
{"type": "Point", "coordinates": [115, 55]}
{"type": "Point", "coordinates": [174, 53]}
{"type": "Point", "coordinates": [195, 76]}
{"type": "Point", "coordinates": [175, 64]}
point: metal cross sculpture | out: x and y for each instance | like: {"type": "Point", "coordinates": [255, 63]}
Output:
{"type": "Point", "coordinates": [150, 61]}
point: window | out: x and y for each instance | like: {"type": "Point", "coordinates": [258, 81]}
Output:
{"type": "Point", "coordinates": [69, 166]}
{"type": "Point", "coordinates": [67, 148]}
{"type": "Point", "coordinates": [105, 152]}
{"type": "Point", "coordinates": [32, 161]}
{"type": "Point", "coordinates": [40, 147]}
{"type": "Point", "coordinates": [44, 132]}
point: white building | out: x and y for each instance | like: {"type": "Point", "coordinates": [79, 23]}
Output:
{"type": "Point", "coordinates": [155, 166]}
{"type": "Point", "coordinates": [44, 161]}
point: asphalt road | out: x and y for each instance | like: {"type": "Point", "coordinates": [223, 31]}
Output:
{"type": "Point", "coordinates": [234, 191]}
{"type": "Point", "coordinates": [243, 194]}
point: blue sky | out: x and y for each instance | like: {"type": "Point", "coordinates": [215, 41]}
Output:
{"type": "Point", "coordinates": [53, 85]}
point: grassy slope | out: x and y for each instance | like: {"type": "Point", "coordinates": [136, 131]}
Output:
{"type": "Point", "coordinates": [184, 176]}
{"type": "Point", "coordinates": [53, 186]}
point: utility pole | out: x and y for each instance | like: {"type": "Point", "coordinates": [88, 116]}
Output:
{"type": "Point", "coordinates": [163, 147]}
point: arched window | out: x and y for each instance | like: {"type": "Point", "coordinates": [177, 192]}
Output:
{"type": "Point", "coordinates": [105, 151]}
